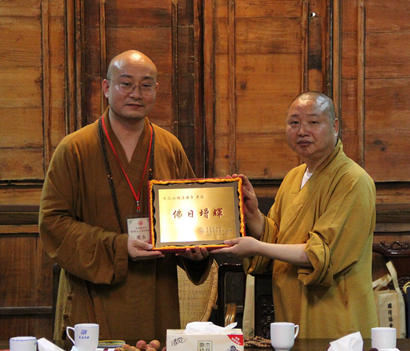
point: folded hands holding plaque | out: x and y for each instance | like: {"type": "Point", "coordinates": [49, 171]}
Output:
{"type": "Point", "coordinates": [195, 212]}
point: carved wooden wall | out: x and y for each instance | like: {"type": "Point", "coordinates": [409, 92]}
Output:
{"type": "Point", "coordinates": [371, 82]}
{"type": "Point", "coordinates": [32, 122]}
{"type": "Point", "coordinates": [54, 55]}
{"type": "Point", "coordinates": [168, 32]}
{"type": "Point", "coordinates": [260, 54]}
{"type": "Point", "coordinates": [227, 70]}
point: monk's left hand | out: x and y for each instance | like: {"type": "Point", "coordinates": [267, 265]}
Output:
{"type": "Point", "coordinates": [195, 253]}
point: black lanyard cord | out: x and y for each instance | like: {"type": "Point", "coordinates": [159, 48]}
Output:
{"type": "Point", "coordinates": [109, 175]}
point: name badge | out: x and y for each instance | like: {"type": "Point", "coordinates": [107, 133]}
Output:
{"type": "Point", "coordinates": [138, 228]}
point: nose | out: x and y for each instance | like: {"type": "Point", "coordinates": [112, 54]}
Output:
{"type": "Point", "coordinates": [136, 91]}
{"type": "Point", "coordinates": [303, 129]}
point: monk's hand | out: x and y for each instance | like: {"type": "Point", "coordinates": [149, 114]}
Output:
{"type": "Point", "coordinates": [243, 247]}
{"type": "Point", "coordinates": [195, 253]}
{"type": "Point", "coordinates": [249, 196]}
{"type": "Point", "coordinates": [140, 250]}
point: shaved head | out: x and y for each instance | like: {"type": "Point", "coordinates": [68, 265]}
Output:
{"type": "Point", "coordinates": [130, 56]}
{"type": "Point", "coordinates": [312, 128]}
{"type": "Point", "coordinates": [322, 102]}
{"type": "Point", "coordinates": [131, 87]}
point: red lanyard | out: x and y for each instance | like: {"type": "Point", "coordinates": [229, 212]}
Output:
{"type": "Point", "coordinates": [136, 196]}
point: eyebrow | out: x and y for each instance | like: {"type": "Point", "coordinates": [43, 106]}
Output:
{"type": "Point", "coordinates": [309, 115]}
{"type": "Point", "coordinates": [124, 75]}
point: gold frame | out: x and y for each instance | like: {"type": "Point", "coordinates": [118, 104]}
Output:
{"type": "Point", "coordinates": [195, 212]}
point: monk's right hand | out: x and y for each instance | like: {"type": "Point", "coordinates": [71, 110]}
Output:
{"type": "Point", "coordinates": [242, 247]}
{"type": "Point", "coordinates": [249, 196]}
{"type": "Point", "coordinates": [140, 250]}
{"type": "Point", "coordinates": [254, 218]}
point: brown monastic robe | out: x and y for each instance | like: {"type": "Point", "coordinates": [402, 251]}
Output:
{"type": "Point", "coordinates": [334, 214]}
{"type": "Point", "coordinates": [78, 227]}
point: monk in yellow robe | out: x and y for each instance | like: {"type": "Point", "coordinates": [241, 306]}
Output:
{"type": "Point", "coordinates": [317, 238]}
{"type": "Point", "coordinates": [96, 181]}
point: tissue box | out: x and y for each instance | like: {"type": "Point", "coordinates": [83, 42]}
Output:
{"type": "Point", "coordinates": [178, 340]}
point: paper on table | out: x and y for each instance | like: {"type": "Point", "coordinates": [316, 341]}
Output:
{"type": "Point", "coordinates": [46, 345]}
{"type": "Point", "coordinates": [350, 342]}
{"type": "Point", "coordinates": [207, 328]}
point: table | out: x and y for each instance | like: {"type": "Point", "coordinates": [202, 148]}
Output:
{"type": "Point", "coordinates": [322, 345]}
{"type": "Point", "coordinates": [300, 345]}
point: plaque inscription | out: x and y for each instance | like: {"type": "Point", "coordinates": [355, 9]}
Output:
{"type": "Point", "coordinates": [199, 212]}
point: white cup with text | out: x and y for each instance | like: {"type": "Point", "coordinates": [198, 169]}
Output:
{"type": "Point", "coordinates": [282, 335]}
{"type": "Point", "coordinates": [85, 336]}
{"type": "Point", "coordinates": [23, 343]}
{"type": "Point", "coordinates": [384, 338]}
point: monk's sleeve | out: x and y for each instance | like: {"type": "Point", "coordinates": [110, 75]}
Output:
{"type": "Point", "coordinates": [88, 252]}
{"type": "Point", "coordinates": [261, 264]}
{"type": "Point", "coordinates": [343, 232]}
{"type": "Point", "coordinates": [196, 271]}
{"type": "Point", "coordinates": [184, 167]}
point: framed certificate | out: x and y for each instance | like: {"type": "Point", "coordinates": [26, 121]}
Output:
{"type": "Point", "coordinates": [195, 212]}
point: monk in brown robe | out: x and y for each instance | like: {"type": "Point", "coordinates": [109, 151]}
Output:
{"type": "Point", "coordinates": [95, 189]}
{"type": "Point", "coordinates": [317, 237]}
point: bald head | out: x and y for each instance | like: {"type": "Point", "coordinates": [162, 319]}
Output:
{"type": "Point", "coordinates": [130, 57]}
{"type": "Point", "coordinates": [131, 87]}
{"type": "Point", "coordinates": [312, 128]}
{"type": "Point", "coordinates": [323, 103]}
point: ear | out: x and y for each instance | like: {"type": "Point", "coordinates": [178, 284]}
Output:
{"type": "Point", "coordinates": [336, 126]}
{"type": "Point", "coordinates": [106, 87]}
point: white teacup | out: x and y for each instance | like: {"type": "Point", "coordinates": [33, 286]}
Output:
{"type": "Point", "coordinates": [85, 336]}
{"type": "Point", "coordinates": [23, 343]}
{"type": "Point", "coordinates": [282, 335]}
{"type": "Point", "coordinates": [384, 338]}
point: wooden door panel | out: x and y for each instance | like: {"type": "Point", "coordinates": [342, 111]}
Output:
{"type": "Point", "coordinates": [27, 324]}
{"type": "Point", "coordinates": [26, 304]}
{"type": "Point", "coordinates": [21, 87]}
{"type": "Point", "coordinates": [258, 8]}
{"type": "Point", "coordinates": [371, 84]}
{"type": "Point", "coordinates": [32, 122]}
{"type": "Point", "coordinates": [26, 32]}
{"type": "Point", "coordinates": [20, 92]}
{"type": "Point", "coordinates": [258, 60]}
{"type": "Point", "coordinates": [255, 112]}
{"type": "Point", "coordinates": [268, 35]}
{"type": "Point", "coordinates": [148, 13]}
{"type": "Point", "coordinates": [22, 163]}
{"type": "Point", "coordinates": [21, 127]}
{"type": "Point", "coordinates": [18, 267]}
{"type": "Point", "coordinates": [257, 148]}
{"type": "Point", "coordinates": [348, 55]}
{"type": "Point", "coordinates": [385, 156]}
{"type": "Point", "coordinates": [387, 105]}
{"type": "Point", "coordinates": [387, 16]}
{"type": "Point", "coordinates": [386, 57]}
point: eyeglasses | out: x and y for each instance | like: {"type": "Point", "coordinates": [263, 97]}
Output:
{"type": "Point", "coordinates": [144, 87]}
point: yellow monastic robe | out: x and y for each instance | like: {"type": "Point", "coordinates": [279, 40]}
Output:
{"type": "Point", "coordinates": [79, 230]}
{"type": "Point", "coordinates": [334, 214]}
